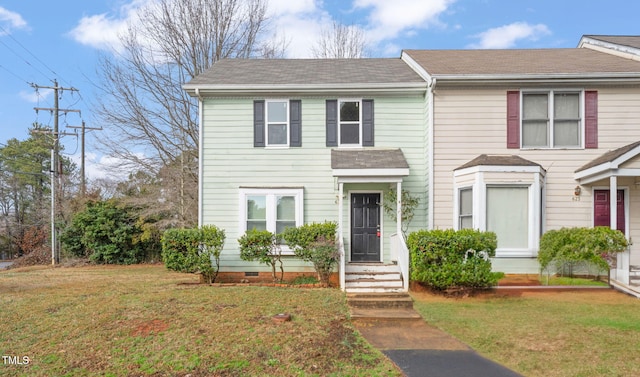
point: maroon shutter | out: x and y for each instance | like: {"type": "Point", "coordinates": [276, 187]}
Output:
{"type": "Point", "coordinates": [513, 119]}
{"type": "Point", "coordinates": [591, 119]}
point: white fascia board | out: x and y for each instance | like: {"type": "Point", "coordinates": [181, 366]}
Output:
{"type": "Point", "coordinates": [369, 179]}
{"type": "Point", "coordinates": [593, 170]}
{"type": "Point", "coordinates": [564, 78]}
{"type": "Point", "coordinates": [499, 169]}
{"type": "Point", "coordinates": [626, 157]}
{"type": "Point", "coordinates": [419, 69]}
{"type": "Point", "coordinates": [608, 173]}
{"type": "Point", "coordinates": [400, 172]}
{"type": "Point", "coordinates": [607, 166]}
{"type": "Point", "coordinates": [214, 89]}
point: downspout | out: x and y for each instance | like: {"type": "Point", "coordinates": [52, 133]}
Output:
{"type": "Point", "coordinates": [430, 126]}
{"type": "Point", "coordinates": [200, 157]}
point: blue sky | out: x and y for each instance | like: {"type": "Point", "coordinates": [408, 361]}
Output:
{"type": "Point", "coordinates": [43, 40]}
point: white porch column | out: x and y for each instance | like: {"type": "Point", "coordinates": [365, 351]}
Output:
{"type": "Point", "coordinates": [613, 202]}
{"type": "Point", "coordinates": [343, 257]}
{"type": "Point", "coordinates": [399, 208]}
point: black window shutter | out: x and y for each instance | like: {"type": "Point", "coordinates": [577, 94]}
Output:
{"type": "Point", "coordinates": [367, 123]}
{"type": "Point", "coordinates": [258, 124]}
{"type": "Point", "coordinates": [332, 123]}
{"type": "Point", "coordinates": [295, 123]}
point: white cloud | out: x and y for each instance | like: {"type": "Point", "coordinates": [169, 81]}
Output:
{"type": "Point", "coordinates": [35, 96]}
{"type": "Point", "coordinates": [389, 19]}
{"type": "Point", "coordinates": [508, 35]}
{"type": "Point", "coordinates": [299, 22]}
{"type": "Point", "coordinates": [11, 20]}
{"type": "Point", "coordinates": [102, 167]}
{"type": "Point", "coordinates": [102, 31]}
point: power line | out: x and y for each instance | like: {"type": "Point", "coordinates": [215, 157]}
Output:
{"type": "Point", "coordinates": [27, 50]}
{"type": "Point", "coordinates": [23, 59]}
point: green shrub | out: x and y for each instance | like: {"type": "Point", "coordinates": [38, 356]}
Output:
{"type": "Point", "coordinates": [262, 245]}
{"type": "Point", "coordinates": [106, 233]}
{"type": "Point", "coordinates": [596, 246]}
{"type": "Point", "coordinates": [194, 250]}
{"type": "Point", "coordinates": [444, 259]}
{"type": "Point", "coordinates": [315, 243]}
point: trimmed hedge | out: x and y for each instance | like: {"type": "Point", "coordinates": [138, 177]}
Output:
{"type": "Point", "coordinates": [194, 250]}
{"type": "Point", "coordinates": [597, 246]}
{"type": "Point", "coordinates": [315, 243]}
{"type": "Point", "coordinates": [444, 259]}
{"type": "Point", "coordinates": [262, 245]}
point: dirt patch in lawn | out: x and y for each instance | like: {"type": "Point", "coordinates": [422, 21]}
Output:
{"type": "Point", "coordinates": [155, 326]}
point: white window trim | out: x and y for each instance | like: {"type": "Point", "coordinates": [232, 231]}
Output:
{"type": "Point", "coordinates": [271, 194]}
{"type": "Point", "coordinates": [266, 122]}
{"type": "Point", "coordinates": [479, 195]}
{"type": "Point", "coordinates": [551, 92]}
{"type": "Point", "coordinates": [360, 131]}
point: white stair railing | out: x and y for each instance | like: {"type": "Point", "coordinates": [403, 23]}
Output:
{"type": "Point", "coordinates": [400, 253]}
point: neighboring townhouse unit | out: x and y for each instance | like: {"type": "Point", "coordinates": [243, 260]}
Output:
{"type": "Point", "coordinates": [288, 142]}
{"type": "Point", "coordinates": [525, 141]}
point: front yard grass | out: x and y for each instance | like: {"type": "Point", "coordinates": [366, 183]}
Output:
{"type": "Point", "coordinates": [583, 333]}
{"type": "Point", "coordinates": [147, 321]}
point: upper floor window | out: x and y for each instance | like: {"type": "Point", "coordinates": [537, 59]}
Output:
{"type": "Point", "coordinates": [349, 123]}
{"type": "Point", "coordinates": [277, 123]}
{"type": "Point", "coordinates": [551, 120]}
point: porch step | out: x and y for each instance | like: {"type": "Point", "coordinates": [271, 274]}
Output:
{"type": "Point", "coordinates": [634, 272]}
{"type": "Point", "coordinates": [372, 278]}
{"type": "Point", "coordinates": [382, 306]}
{"type": "Point", "coordinates": [380, 300]}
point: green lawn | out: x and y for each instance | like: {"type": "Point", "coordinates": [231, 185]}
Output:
{"type": "Point", "coordinates": [147, 321]}
{"type": "Point", "coordinates": [552, 334]}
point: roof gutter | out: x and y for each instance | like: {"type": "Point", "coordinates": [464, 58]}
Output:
{"type": "Point", "coordinates": [208, 89]}
{"type": "Point", "coordinates": [595, 78]}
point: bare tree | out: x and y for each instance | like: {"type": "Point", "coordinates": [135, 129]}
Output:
{"type": "Point", "coordinates": [151, 122]}
{"type": "Point", "coordinates": [340, 42]}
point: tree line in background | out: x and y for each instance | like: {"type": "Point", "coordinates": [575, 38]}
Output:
{"type": "Point", "coordinates": [150, 125]}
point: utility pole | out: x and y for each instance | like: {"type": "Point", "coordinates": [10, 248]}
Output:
{"type": "Point", "coordinates": [55, 255]}
{"type": "Point", "coordinates": [83, 184]}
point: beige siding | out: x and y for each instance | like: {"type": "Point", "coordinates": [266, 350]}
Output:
{"type": "Point", "coordinates": [230, 161]}
{"type": "Point", "coordinates": [472, 122]}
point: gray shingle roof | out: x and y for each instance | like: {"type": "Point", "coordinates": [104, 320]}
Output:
{"type": "Point", "coordinates": [623, 40]}
{"type": "Point", "coordinates": [247, 72]}
{"type": "Point", "coordinates": [609, 156]}
{"type": "Point", "coordinates": [521, 62]}
{"type": "Point", "coordinates": [498, 160]}
{"type": "Point", "coordinates": [368, 159]}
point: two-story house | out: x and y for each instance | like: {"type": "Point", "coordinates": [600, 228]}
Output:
{"type": "Point", "coordinates": [513, 141]}
{"type": "Point", "coordinates": [524, 141]}
{"type": "Point", "coordinates": [288, 142]}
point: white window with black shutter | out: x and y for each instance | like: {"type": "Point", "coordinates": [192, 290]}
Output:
{"type": "Point", "coordinates": [277, 123]}
{"type": "Point", "coordinates": [350, 123]}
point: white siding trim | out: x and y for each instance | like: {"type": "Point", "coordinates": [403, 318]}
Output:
{"type": "Point", "coordinates": [200, 161]}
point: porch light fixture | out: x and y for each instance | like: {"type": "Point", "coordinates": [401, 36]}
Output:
{"type": "Point", "coordinates": [577, 191]}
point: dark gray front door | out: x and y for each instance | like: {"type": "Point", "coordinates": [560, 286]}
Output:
{"type": "Point", "coordinates": [365, 227]}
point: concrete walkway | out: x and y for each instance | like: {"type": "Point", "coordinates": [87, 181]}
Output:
{"type": "Point", "coordinates": [417, 348]}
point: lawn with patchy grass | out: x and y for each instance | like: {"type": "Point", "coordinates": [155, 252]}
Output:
{"type": "Point", "coordinates": [582, 333]}
{"type": "Point", "coordinates": [147, 321]}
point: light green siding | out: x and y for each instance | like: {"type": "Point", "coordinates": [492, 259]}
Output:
{"type": "Point", "coordinates": [231, 162]}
